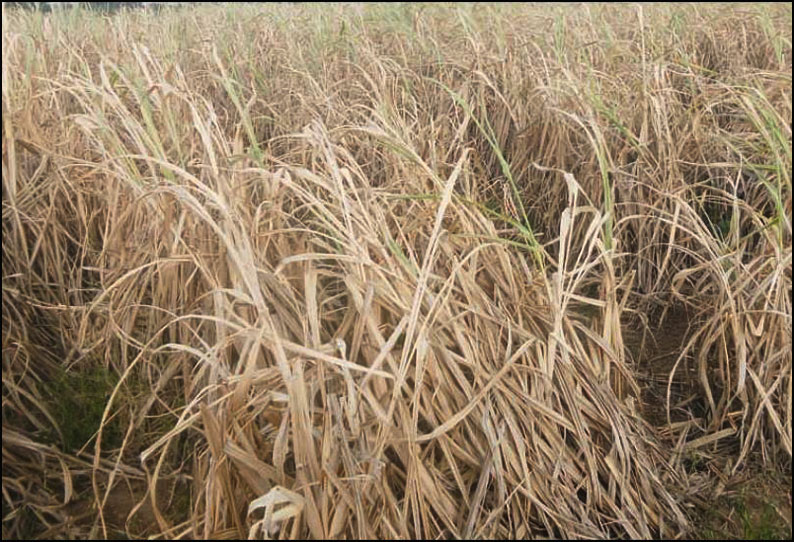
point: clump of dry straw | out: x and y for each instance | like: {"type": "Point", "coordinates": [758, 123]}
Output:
{"type": "Point", "coordinates": [370, 271]}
